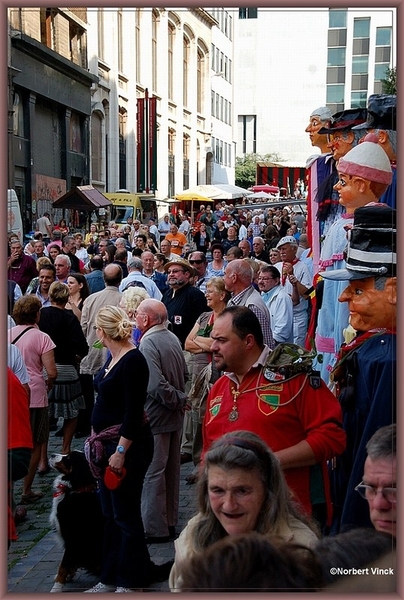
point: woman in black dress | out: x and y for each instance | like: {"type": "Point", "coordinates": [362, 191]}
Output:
{"type": "Point", "coordinates": [122, 388]}
{"type": "Point", "coordinates": [63, 327]}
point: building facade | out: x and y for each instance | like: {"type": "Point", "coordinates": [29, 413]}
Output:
{"type": "Point", "coordinates": [164, 53]}
{"type": "Point", "coordinates": [49, 106]}
{"type": "Point", "coordinates": [293, 60]}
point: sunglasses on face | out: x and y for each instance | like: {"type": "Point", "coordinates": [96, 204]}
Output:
{"type": "Point", "coordinates": [196, 262]}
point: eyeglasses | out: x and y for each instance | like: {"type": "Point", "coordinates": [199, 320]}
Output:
{"type": "Point", "coordinates": [175, 271]}
{"type": "Point", "coordinates": [265, 278]}
{"type": "Point", "coordinates": [195, 262]}
{"type": "Point", "coordinates": [369, 492]}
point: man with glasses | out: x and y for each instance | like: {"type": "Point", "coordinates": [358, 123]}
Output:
{"type": "Point", "coordinates": [378, 486]}
{"type": "Point", "coordinates": [198, 261]}
{"type": "Point", "coordinates": [279, 304]}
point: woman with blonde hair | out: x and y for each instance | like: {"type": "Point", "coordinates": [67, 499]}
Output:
{"type": "Point", "coordinates": [118, 421]}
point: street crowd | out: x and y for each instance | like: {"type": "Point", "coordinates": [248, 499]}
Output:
{"type": "Point", "coordinates": [258, 344]}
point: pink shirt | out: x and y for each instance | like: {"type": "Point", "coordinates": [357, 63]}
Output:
{"type": "Point", "coordinates": [32, 345]}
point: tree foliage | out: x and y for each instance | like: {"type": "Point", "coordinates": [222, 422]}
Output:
{"type": "Point", "coordinates": [390, 82]}
{"type": "Point", "coordinates": [246, 167]}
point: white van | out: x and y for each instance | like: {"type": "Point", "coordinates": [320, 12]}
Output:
{"type": "Point", "coordinates": [14, 220]}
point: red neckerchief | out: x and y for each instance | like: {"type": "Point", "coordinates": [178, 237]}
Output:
{"type": "Point", "coordinates": [346, 349]}
{"type": "Point", "coordinates": [284, 275]}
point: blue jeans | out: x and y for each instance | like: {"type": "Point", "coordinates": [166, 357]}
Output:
{"type": "Point", "coordinates": [126, 560]}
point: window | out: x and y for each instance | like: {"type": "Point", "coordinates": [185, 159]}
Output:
{"type": "Point", "coordinates": [170, 63]}
{"type": "Point", "coordinates": [248, 132]}
{"type": "Point", "coordinates": [185, 71]}
{"type": "Point", "coordinates": [120, 41]}
{"type": "Point", "coordinates": [185, 149]}
{"type": "Point", "coordinates": [247, 13]}
{"type": "Point", "coordinates": [336, 37]}
{"type": "Point", "coordinates": [361, 46]}
{"type": "Point", "coordinates": [361, 28]}
{"type": "Point", "coordinates": [383, 54]}
{"type": "Point", "coordinates": [359, 99]}
{"type": "Point", "coordinates": [229, 80]}
{"type": "Point", "coordinates": [212, 103]}
{"type": "Point", "coordinates": [171, 162]}
{"type": "Point", "coordinates": [138, 46]}
{"type": "Point", "coordinates": [336, 18]}
{"type": "Point", "coordinates": [48, 27]}
{"type": "Point", "coordinates": [360, 64]}
{"type": "Point", "coordinates": [359, 82]}
{"type": "Point", "coordinates": [230, 115]}
{"type": "Point", "coordinates": [100, 19]}
{"type": "Point", "coordinates": [18, 116]}
{"type": "Point", "coordinates": [122, 147]}
{"type": "Point", "coordinates": [75, 144]}
{"type": "Point", "coordinates": [381, 71]}
{"type": "Point", "coordinates": [383, 36]}
{"type": "Point", "coordinates": [154, 52]}
{"type": "Point", "coordinates": [335, 94]}
{"type": "Point", "coordinates": [336, 57]}
{"type": "Point", "coordinates": [78, 49]}
{"type": "Point", "coordinates": [213, 57]}
{"type": "Point", "coordinates": [335, 74]}
{"type": "Point", "coordinates": [217, 106]}
{"type": "Point", "coordinates": [96, 146]}
{"type": "Point", "coordinates": [216, 151]}
{"type": "Point", "coordinates": [199, 80]}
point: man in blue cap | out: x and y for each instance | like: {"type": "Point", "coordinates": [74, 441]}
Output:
{"type": "Point", "coordinates": [365, 373]}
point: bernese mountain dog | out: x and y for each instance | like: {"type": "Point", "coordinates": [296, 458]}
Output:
{"type": "Point", "coordinates": [76, 516]}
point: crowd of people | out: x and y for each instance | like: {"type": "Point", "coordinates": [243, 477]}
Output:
{"type": "Point", "coordinates": [258, 345]}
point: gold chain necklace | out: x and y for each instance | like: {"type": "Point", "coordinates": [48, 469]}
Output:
{"type": "Point", "coordinates": [234, 414]}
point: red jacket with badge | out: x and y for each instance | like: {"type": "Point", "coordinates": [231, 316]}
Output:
{"type": "Point", "coordinates": [283, 414]}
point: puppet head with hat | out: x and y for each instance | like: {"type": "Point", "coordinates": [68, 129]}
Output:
{"type": "Point", "coordinates": [381, 120]}
{"type": "Point", "coordinates": [370, 269]}
{"type": "Point", "coordinates": [340, 132]}
{"type": "Point", "coordinates": [364, 174]}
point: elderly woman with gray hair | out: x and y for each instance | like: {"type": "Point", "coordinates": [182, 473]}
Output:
{"type": "Point", "coordinates": [130, 300]}
{"type": "Point", "coordinates": [242, 489]}
{"type": "Point", "coordinates": [63, 327]}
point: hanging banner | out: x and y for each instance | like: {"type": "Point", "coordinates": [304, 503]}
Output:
{"type": "Point", "coordinates": [146, 144]}
{"type": "Point", "coordinates": [153, 143]}
{"type": "Point", "coordinates": [141, 183]}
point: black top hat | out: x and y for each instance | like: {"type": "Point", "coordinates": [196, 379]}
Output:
{"type": "Point", "coordinates": [371, 249]}
{"type": "Point", "coordinates": [346, 119]}
{"type": "Point", "coordinates": [381, 112]}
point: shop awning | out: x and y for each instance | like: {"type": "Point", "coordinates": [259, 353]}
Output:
{"type": "Point", "coordinates": [83, 197]}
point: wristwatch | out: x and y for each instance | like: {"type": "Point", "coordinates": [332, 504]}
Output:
{"type": "Point", "coordinates": [120, 449]}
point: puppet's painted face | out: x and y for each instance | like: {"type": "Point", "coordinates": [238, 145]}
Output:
{"type": "Point", "coordinates": [370, 308]}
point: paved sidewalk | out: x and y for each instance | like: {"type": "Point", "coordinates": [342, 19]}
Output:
{"type": "Point", "coordinates": [34, 558]}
